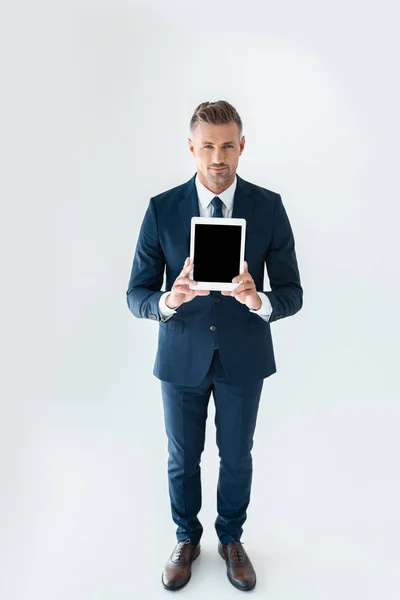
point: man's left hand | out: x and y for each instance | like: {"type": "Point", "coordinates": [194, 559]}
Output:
{"type": "Point", "coordinates": [246, 292]}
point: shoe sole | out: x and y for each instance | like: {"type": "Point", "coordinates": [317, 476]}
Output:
{"type": "Point", "coordinates": [248, 589]}
{"type": "Point", "coordinates": [179, 587]}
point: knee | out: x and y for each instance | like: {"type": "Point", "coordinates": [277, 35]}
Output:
{"type": "Point", "coordinates": [186, 458]}
{"type": "Point", "coordinates": [234, 460]}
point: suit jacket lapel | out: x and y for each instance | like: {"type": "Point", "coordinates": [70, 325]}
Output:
{"type": "Point", "coordinates": [243, 201]}
{"type": "Point", "coordinates": [188, 204]}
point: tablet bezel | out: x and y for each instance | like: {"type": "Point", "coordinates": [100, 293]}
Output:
{"type": "Point", "coordinates": [214, 285]}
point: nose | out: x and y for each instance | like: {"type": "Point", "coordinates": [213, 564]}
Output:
{"type": "Point", "coordinates": [218, 158]}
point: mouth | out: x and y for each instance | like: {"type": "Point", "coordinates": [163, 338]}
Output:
{"type": "Point", "coordinates": [218, 168]}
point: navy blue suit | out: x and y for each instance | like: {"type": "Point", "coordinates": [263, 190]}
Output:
{"type": "Point", "coordinates": [187, 363]}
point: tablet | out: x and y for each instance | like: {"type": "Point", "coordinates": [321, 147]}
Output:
{"type": "Point", "coordinates": [217, 252]}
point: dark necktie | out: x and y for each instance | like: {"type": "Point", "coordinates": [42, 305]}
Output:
{"type": "Point", "coordinates": [217, 204]}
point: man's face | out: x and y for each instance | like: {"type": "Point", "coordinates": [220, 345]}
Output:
{"type": "Point", "coordinates": [216, 146]}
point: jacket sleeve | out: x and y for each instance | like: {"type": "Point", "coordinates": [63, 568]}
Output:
{"type": "Point", "coordinates": [286, 295]}
{"type": "Point", "coordinates": [147, 272]}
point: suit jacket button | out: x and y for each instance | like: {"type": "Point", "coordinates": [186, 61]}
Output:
{"type": "Point", "coordinates": [217, 299]}
{"type": "Point", "coordinates": [153, 317]}
{"type": "Point", "coordinates": [213, 328]}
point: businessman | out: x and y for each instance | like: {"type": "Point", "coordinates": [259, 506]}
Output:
{"type": "Point", "coordinates": [217, 342]}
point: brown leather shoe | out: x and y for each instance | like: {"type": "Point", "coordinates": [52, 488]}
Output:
{"type": "Point", "coordinates": [239, 569]}
{"type": "Point", "coordinates": [178, 568]}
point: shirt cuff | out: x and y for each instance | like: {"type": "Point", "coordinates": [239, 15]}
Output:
{"type": "Point", "coordinates": [165, 311]}
{"type": "Point", "coordinates": [265, 309]}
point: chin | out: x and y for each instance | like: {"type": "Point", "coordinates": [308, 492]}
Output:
{"type": "Point", "coordinates": [224, 175]}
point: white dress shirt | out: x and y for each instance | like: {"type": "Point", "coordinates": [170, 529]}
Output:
{"type": "Point", "coordinates": [206, 209]}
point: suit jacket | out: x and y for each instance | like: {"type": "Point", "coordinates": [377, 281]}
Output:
{"type": "Point", "coordinates": [186, 341]}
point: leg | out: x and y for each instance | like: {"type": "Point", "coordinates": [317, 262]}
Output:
{"type": "Point", "coordinates": [236, 408]}
{"type": "Point", "coordinates": [185, 414]}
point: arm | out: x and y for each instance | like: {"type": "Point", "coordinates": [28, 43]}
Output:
{"type": "Point", "coordinates": [286, 295]}
{"type": "Point", "coordinates": [146, 279]}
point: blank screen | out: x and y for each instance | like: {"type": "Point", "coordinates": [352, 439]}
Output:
{"type": "Point", "coordinates": [216, 252]}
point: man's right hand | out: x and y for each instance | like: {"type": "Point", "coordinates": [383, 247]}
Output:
{"type": "Point", "coordinates": [180, 291]}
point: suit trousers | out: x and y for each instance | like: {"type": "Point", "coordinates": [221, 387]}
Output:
{"type": "Point", "coordinates": [185, 414]}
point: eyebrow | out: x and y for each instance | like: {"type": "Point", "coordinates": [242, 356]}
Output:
{"type": "Point", "coordinates": [222, 144]}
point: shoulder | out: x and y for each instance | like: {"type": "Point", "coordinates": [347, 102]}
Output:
{"type": "Point", "coordinates": [171, 195]}
{"type": "Point", "coordinates": [259, 193]}
{"type": "Point", "coordinates": [265, 200]}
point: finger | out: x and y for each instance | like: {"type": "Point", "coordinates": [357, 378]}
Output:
{"type": "Point", "coordinates": [185, 271]}
{"type": "Point", "coordinates": [244, 291]}
{"type": "Point", "coordinates": [242, 281]}
{"type": "Point", "coordinates": [242, 288]}
{"type": "Point", "coordinates": [185, 281]}
{"type": "Point", "coordinates": [181, 288]}
{"type": "Point", "coordinates": [184, 289]}
{"type": "Point", "coordinates": [242, 278]}
{"type": "Point", "coordinates": [245, 285]}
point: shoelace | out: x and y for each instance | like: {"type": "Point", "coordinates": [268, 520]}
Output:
{"type": "Point", "coordinates": [179, 549]}
{"type": "Point", "coordinates": [237, 553]}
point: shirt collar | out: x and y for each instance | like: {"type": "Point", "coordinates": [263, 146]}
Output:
{"type": "Point", "coordinates": [205, 195]}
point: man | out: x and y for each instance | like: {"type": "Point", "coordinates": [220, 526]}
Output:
{"type": "Point", "coordinates": [220, 343]}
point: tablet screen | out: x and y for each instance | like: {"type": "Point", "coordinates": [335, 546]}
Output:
{"type": "Point", "coordinates": [216, 252]}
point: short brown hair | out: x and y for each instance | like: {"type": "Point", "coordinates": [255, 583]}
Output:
{"type": "Point", "coordinates": [216, 113]}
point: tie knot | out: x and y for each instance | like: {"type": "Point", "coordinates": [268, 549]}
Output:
{"type": "Point", "coordinates": [217, 204]}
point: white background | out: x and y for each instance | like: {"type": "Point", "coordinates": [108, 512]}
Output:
{"type": "Point", "coordinates": [96, 103]}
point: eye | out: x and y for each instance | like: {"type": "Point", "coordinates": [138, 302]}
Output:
{"type": "Point", "coordinates": [227, 146]}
